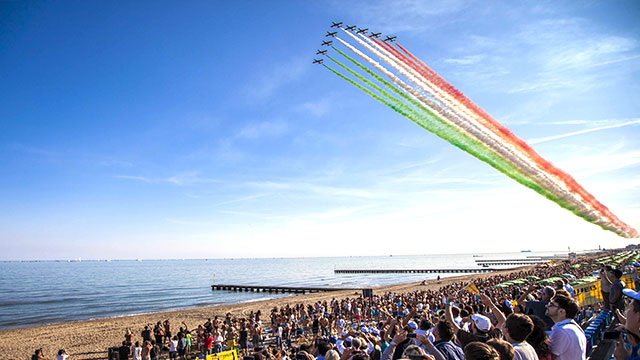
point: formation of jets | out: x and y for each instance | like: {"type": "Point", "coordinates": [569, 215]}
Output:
{"type": "Point", "coordinates": [348, 28]}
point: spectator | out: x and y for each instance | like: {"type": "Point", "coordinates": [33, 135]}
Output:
{"type": "Point", "coordinates": [39, 355]}
{"type": "Point", "coordinates": [154, 352]}
{"type": "Point", "coordinates": [443, 333]}
{"type": "Point", "coordinates": [632, 328]}
{"type": "Point", "coordinates": [605, 284]}
{"type": "Point", "coordinates": [124, 351]}
{"type": "Point", "coordinates": [616, 300]}
{"type": "Point", "coordinates": [503, 348]}
{"type": "Point", "coordinates": [477, 350]}
{"type": "Point", "coordinates": [136, 352]}
{"type": "Point", "coordinates": [568, 341]}
{"type": "Point", "coordinates": [173, 348]}
{"type": "Point", "coordinates": [62, 355]}
{"type": "Point", "coordinates": [539, 338]}
{"type": "Point", "coordinates": [538, 307]}
{"type": "Point", "coordinates": [516, 330]}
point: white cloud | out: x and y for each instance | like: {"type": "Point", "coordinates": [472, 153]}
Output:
{"type": "Point", "coordinates": [182, 179]}
{"type": "Point", "coordinates": [316, 108]}
{"type": "Point", "coordinates": [255, 130]}
{"type": "Point", "coordinates": [272, 79]}
{"type": "Point", "coordinates": [467, 60]}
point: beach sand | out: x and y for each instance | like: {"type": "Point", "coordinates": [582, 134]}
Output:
{"type": "Point", "coordinates": [90, 339]}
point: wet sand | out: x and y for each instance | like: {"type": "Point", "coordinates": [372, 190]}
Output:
{"type": "Point", "coordinates": [90, 339]}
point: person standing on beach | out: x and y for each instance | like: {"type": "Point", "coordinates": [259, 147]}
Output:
{"type": "Point", "coordinates": [154, 353]}
{"type": "Point", "coordinates": [136, 352]}
{"type": "Point", "coordinates": [158, 334]}
{"type": "Point", "coordinates": [167, 329]}
{"type": "Point", "coordinates": [146, 333]}
{"type": "Point", "coordinates": [146, 350]}
{"type": "Point", "coordinates": [173, 351]}
{"type": "Point", "coordinates": [124, 351]}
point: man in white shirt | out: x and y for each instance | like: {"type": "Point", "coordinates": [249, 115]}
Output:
{"type": "Point", "coordinates": [568, 341]}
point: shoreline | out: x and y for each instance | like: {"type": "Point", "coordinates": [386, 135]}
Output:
{"type": "Point", "coordinates": [90, 339]}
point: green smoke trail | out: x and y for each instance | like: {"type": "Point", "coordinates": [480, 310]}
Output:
{"type": "Point", "coordinates": [446, 131]}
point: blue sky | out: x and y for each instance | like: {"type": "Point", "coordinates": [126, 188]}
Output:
{"type": "Point", "coordinates": [201, 129]}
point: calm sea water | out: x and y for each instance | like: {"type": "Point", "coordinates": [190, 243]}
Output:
{"type": "Point", "coordinates": [34, 293]}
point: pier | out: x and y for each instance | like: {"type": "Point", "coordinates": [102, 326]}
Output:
{"type": "Point", "coordinates": [276, 289]}
{"type": "Point", "coordinates": [510, 262]}
{"type": "Point", "coordinates": [530, 260]}
{"type": "Point", "coordinates": [414, 271]}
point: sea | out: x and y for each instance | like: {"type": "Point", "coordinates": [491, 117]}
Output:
{"type": "Point", "coordinates": [44, 292]}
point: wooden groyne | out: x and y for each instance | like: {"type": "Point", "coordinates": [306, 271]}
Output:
{"type": "Point", "coordinates": [413, 271]}
{"type": "Point", "coordinates": [276, 289]}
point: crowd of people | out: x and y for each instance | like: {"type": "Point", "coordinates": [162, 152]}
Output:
{"type": "Point", "coordinates": [453, 322]}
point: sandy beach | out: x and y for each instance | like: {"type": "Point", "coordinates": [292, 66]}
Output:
{"type": "Point", "coordinates": [90, 339]}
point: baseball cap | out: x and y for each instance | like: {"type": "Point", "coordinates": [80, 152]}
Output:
{"type": "Point", "coordinates": [632, 294]}
{"type": "Point", "coordinates": [482, 322]}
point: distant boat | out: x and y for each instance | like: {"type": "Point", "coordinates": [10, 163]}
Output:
{"type": "Point", "coordinates": [525, 250]}
{"type": "Point", "coordinates": [138, 259]}
{"type": "Point", "coordinates": [477, 255]}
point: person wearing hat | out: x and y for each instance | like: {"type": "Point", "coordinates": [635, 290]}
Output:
{"type": "Point", "coordinates": [567, 339]}
{"type": "Point", "coordinates": [481, 327]}
{"type": "Point", "coordinates": [631, 327]}
{"type": "Point", "coordinates": [636, 275]}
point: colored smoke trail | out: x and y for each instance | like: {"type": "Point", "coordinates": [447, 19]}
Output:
{"type": "Point", "coordinates": [522, 145]}
{"type": "Point", "coordinates": [453, 135]}
{"type": "Point", "coordinates": [472, 128]}
{"type": "Point", "coordinates": [434, 104]}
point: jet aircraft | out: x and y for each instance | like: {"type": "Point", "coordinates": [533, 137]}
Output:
{"type": "Point", "coordinates": [327, 43]}
{"type": "Point", "coordinates": [350, 28]}
{"type": "Point", "coordinates": [317, 61]}
{"type": "Point", "coordinates": [375, 35]}
{"type": "Point", "coordinates": [321, 52]}
{"type": "Point", "coordinates": [390, 38]}
{"type": "Point", "coordinates": [336, 25]}
{"type": "Point", "coordinates": [361, 31]}
{"type": "Point", "coordinates": [331, 34]}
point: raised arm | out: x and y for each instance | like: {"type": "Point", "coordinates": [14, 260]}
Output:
{"type": "Point", "coordinates": [494, 309]}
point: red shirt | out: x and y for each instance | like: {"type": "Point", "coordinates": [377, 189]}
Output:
{"type": "Point", "coordinates": [208, 341]}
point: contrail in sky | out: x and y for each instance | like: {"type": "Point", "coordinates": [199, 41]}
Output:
{"type": "Point", "coordinates": [414, 90]}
